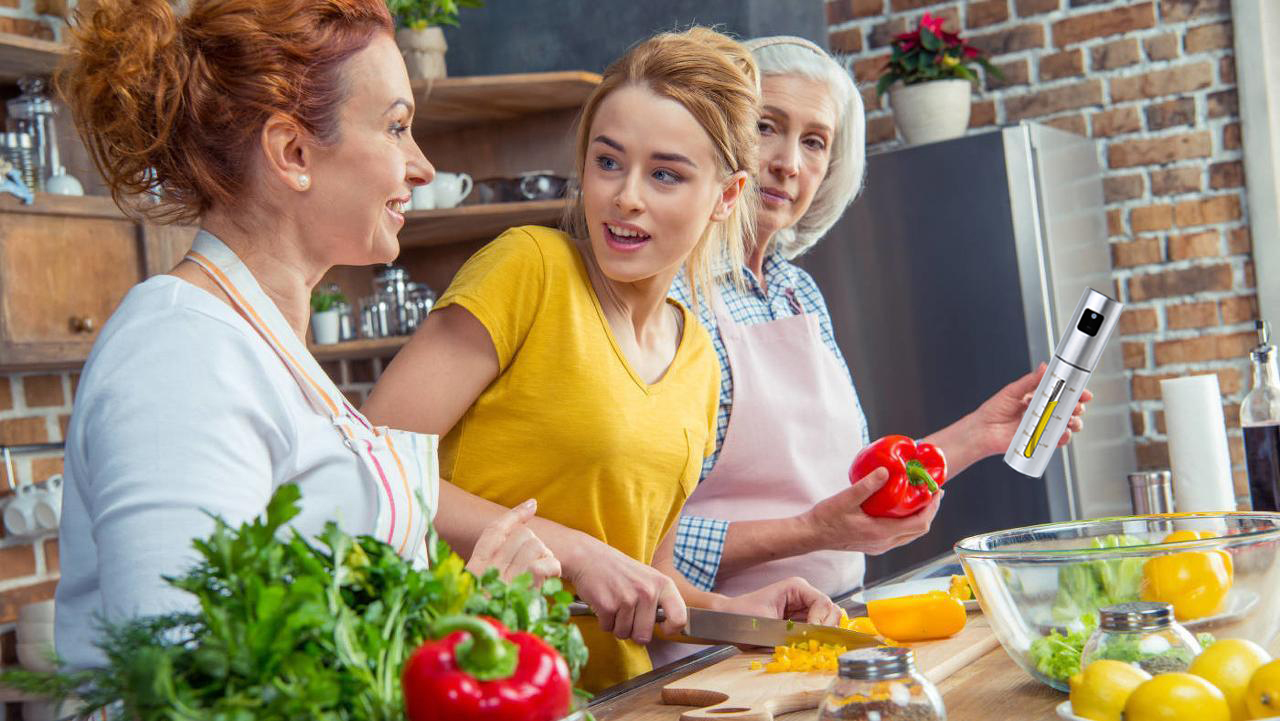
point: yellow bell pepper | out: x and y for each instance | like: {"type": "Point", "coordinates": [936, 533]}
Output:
{"type": "Point", "coordinates": [1199, 536]}
{"type": "Point", "coordinates": [1196, 583]}
{"type": "Point", "coordinates": [861, 624]}
{"type": "Point", "coordinates": [935, 614]}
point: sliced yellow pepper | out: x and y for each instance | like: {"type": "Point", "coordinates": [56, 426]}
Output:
{"type": "Point", "coordinates": [811, 655]}
{"type": "Point", "coordinates": [960, 588]}
{"type": "Point", "coordinates": [1195, 583]}
{"type": "Point", "coordinates": [918, 618]}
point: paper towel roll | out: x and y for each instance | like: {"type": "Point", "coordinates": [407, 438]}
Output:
{"type": "Point", "coordinates": [1198, 454]}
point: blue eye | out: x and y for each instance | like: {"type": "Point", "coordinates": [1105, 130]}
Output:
{"type": "Point", "coordinates": [606, 163]}
{"type": "Point", "coordinates": [662, 175]}
{"type": "Point", "coordinates": [399, 129]}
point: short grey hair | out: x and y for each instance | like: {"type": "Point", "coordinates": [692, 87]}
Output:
{"type": "Point", "coordinates": [784, 55]}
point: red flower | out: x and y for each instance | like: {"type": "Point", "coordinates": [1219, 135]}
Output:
{"type": "Point", "coordinates": [933, 23]}
{"type": "Point", "coordinates": [971, 52]}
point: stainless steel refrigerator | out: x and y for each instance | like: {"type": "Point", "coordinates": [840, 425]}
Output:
{"type": "Point", "coordinates": [953, 274]}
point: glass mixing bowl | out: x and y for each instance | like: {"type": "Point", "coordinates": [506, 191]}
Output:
{"type": "Point", "coordinates": [1040, 586]}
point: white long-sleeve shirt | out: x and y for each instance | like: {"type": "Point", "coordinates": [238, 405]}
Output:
{"type": "Point", "coordinates": [182, 408]}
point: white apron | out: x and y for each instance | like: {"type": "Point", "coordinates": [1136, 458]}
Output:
{"type": "Point", "coordinates": [402, 467]}
{"type": "Point", "coordinates": [794, 430]}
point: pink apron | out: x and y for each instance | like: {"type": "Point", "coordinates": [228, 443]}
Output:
{"type": "Point", "coordinates": [402, 467]}
{"type": "Point", "coordinates": [793, 432]}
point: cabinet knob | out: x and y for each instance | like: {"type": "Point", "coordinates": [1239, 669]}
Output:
{"type": "Point", "coordinates": [82, 324]}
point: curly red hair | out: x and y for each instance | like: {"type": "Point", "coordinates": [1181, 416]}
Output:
{"type": "Point", "coordinates": [173, 105]}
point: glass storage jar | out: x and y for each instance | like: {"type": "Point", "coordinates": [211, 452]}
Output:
{"type": "Point", "coordinates": [1144, 633]}
{"type": "Point", "coordinates": [881, 684]}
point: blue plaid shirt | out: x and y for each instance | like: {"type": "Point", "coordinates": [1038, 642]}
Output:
{"type": "Point", "coordinates": [789, 291]}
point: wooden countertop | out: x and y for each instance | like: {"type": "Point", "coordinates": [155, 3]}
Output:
{"type": "Point", "coordinates": [992, 688]}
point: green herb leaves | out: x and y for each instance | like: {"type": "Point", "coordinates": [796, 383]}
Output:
{"type": "Point", "coordinates": [290, 630]}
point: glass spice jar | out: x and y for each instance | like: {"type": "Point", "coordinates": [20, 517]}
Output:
{"type": "Point", "coordinates": [881, 684]}
{"type": "Point", "coordinates": [1143, 633]}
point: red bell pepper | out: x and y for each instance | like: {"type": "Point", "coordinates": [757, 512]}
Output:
{"type": "Point", "coordinates": [915, 473]}
{"type": "Point", "coordinates": [480, 670]}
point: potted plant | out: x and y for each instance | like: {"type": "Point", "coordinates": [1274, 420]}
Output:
{"type": "Point", "coordinates": [929, 78]}
{"type": "Point", "coordinates": [419, 35]}
{"type": "Point", "coordinates": [326, 314]}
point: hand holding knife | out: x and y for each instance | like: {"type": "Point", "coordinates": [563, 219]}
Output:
{"type": "Point", "coordinates": [716, 627]}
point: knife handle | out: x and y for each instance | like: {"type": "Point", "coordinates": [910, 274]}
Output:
{"type": "Point", "coordinates": [578, 608]}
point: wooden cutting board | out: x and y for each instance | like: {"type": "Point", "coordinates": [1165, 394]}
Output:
{"type": "Point", "coordinates": [731, 690]}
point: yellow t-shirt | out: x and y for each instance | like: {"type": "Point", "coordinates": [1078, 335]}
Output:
{"type": "Point", "coordinates": [567, 421]}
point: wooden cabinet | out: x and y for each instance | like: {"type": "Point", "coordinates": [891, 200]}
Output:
{"type": "Point", "coordinates": [65, 264]}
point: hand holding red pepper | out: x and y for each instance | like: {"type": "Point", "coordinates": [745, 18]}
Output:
{"type": "Point", "coordinates": [915, 474]}
{"type": "Point", "coordinates": [482, 671]}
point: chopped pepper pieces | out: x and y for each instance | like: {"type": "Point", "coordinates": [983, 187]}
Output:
{"type": "Point", "coordinates": [811, 655]}
{"type": "Point", "coordinates": [960, 588]}
{"type": "Point", "coordinates": [805, 656]}
{"type": "Point", "coordinates": [921, 617]}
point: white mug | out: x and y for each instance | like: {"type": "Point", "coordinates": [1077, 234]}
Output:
{"type": "Point", "coordinates": [19, 515]}
{"type": "Point", "coordinates": [450, 189]}
{"type": "Point", "coordinates": [48, 507]}
{"type": "Point", "coordinates": [424, 198]}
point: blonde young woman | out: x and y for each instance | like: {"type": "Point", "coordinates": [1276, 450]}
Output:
{"type": "Point", "coordinates": [775, 500]}
{"type": "Point", "coordinates": [559, 369]}
{"type": "Point", "coordinates": [281, 128]}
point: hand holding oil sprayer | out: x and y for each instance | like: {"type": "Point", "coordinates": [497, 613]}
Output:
{"type": "Point", "coordinates": [1073, 362]}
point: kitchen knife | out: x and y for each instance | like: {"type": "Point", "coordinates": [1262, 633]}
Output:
{"type": "Point", "coordinates": [716, 627]}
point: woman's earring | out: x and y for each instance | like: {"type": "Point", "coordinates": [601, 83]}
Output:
{"type": "Point", "coordinates": [304, 181]}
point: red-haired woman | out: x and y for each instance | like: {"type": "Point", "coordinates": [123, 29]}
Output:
{"type": "Point", "coordinates": [282, 128]}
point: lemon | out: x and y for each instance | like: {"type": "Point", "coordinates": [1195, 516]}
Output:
{"type": "Point", "coordinates": [1263, 695]}
{"type": "Point", "coordinates": [1177, 697]}
{"type": "Point", "coordinates": [1099, 691]}
{"type": "Point", "coordinates": [1229, 664]}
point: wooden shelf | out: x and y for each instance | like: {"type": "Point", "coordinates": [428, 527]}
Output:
{"type": "Point", "coordinates": [77, 206]}
{"type": "Point", "coordinates": [21, 56]}
{"type": "Point", "coordinates": [365, 348]}
{"type": "Point", "coordinates": [427, 228]}
{"type": "Point", "coordinates": [451, 103]}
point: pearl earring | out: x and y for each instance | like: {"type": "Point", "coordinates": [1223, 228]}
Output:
{"type": "Point", "coordinates": [304, 180]}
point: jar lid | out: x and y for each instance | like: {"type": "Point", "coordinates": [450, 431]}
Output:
{"type": "Point", "coordinates": [874, 664]}
{"type": "Point", "coordinates": [1136, 616]}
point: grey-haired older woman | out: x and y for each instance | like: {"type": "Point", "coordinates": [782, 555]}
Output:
{"type": "Point", "coordinates": [775, 499]}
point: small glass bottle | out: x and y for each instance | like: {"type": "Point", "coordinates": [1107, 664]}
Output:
{"type": "Point", "coordinates": [881, 684]}
{"type": "Point", "coordinates": [1260, 420]}
{"type": "Point", "coordinates": [32, 113]}
{"type": "Point", "coordinates": [1143, 633]}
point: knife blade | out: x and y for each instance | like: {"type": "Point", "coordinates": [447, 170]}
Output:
{"type": "Point", "coordinates": [715, 627]}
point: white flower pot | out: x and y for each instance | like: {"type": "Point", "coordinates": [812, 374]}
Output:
{"type": "Point", "coordinates": [324, 327]}
{"type": "Point", "coordinates": [933, 111]}
{"type": "Point", "coordinates": [423, 52]}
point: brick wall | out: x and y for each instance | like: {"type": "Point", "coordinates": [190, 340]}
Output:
{"type": "Point", "coordinates": [1154, 83]}
{"type": "Point", "coordinates": [34, 408]}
